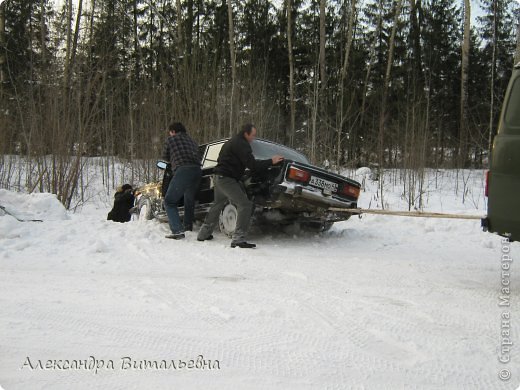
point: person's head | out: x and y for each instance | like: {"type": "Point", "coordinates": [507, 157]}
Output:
{"type": "Point", "coordinates": [176, 128]}
{"type": "Point", "coordinates": [248, 131]}
{"type": "Point", "coordinates": [126, 187]}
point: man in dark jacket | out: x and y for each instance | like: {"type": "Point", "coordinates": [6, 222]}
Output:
{"type": "Point", "coordinates": [235, 156]}
{"type": "Point", "coordinates": [123, 202]}
{"type": "Point", "coordinates": [183, 153]}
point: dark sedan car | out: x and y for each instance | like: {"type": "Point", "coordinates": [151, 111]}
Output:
{"type": "Point", "coordinates": [293, 191]}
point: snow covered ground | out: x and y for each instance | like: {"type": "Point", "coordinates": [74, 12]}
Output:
{"type": "Point", "coordinates": [375, 303]}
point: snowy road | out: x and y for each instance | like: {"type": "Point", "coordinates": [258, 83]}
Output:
{"type": "Point", "coordinates": [377, 303]}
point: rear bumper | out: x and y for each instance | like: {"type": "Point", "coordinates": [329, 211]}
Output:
{"type": "Point", "coordinates": [316, 197]}
{"type": "Point", "coordinates": [512, 234]}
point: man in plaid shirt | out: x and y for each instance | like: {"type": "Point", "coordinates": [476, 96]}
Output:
{"type": "Point", "coordinates": [183, 154]}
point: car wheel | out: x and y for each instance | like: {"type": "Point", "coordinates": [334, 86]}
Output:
{"type": "Point", "coordinates": [144, 207]}
{"type": "Point", "coordinates": [228, 219]}
{"type": "Point", "coordinates": [317, 227]}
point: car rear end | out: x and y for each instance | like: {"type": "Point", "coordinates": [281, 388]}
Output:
{"type": "Point", "coordinates": [308, 188]}
{"type": "Point", "coordinates": [503, 178]}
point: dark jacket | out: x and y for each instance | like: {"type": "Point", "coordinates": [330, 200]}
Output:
{"type": "Point", "coordinates": [123, 202]}
{"type": "Point", "coordinates": [235, 156]}
{"type": "Point", "coordinates": [181, 150]}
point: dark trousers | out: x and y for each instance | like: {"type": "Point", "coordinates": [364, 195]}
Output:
{"type": "Point", "coordinates": [227, 190]}
{"type": "Point", "coordinates": [184, 184]}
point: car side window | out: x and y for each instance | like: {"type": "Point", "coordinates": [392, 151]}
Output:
{"type": "Point", "coordinates": [513, 112]}
{"type": "Point", "coordinates": [212, 155]}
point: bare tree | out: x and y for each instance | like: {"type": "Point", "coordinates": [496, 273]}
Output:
{"type": "Point", "coordinates": [517, 54]}
{"type": "Point", "coordinates": [233, 64]}
{"type": "Point", "coordinates": [390, 60]}
{"type": "Point", "coordinates": [91, 25]}
{"type": "Point", "coordinates": [291, 73]}
{"type": "Point", "coordinates": [68, 47]}
{"type": "Point", "coordinates": [344, 70]}
{"type": "Point", "coordinates": [3, 58]}
{"type": "Point", "coordinates": [76, 36]}
{"type": "Point", "coordinates": [180, 39]}
{"type": "Point", "coordinates": [492, 82]}
{"type": "Point", "coordinates": [464, 83]}
{"type": "Point", "coordinates": [43, 31]}
{"type": "Point", "coordinates": [323, 70]}
{"type": "Point", "coordinates": [415, 34]}
{"type": "Point", "coordinates": [386, 84]}
{"type": "Point", "coordinates": [319, 97]}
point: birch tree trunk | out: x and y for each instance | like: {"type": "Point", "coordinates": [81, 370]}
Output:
{"type": "Point", "coordinates": [136, 42]}
{"type": "Point", "coordinates": [492, 83]}
{"type": "Point", "coordinates": [314, 115]}
{"type": "Point", "coordinates": [76, 38]}
{"type": "Point", "coordinates": [415, 33]}
{"type": "Point", "coordinates": [390, 60]}
{"type": "Point", "coordinates": [180, 39]}
{"type": "Point", "coordinates": [319, 89]}
{"type": "Point", "coordinates": [464, 84]}
{"type": "Point", "coordinates": [43, 31]}
{"type": "Point", "coordinates": [291, 73]}
{"type": "Point", "coordinates": [323, 73]}
{"type": "Point", "coordinates": [68, 47]}
{"type": "Point", "coordinates": [233, 65]}
{"type": "Point", "coordinates": [517, 54]}
{"type": "Point", "coordinates": [344, 70]}
{"type": "Point", "coordinates": [382, 118]}
{"type": "Point", "coordinates": [91, 28]}
{"type": "Point", "coordinates": [3, 58]}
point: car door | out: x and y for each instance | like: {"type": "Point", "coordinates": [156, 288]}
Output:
{"type": "Point", "coordinates": [210, 153]}
{"type": "Point", "coordinates": [504, 175]}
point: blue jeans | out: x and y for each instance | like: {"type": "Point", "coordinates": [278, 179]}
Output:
{"type": "Point", "coordinates": [184, 184]}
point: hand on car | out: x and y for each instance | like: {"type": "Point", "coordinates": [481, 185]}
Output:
{"type": "Point", "coordinates": [277, 159]}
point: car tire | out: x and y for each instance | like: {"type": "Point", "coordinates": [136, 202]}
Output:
{"type": "Point", "coordinates": [144, 209]}
{"type": "Point", "coordinates": [227, 221]}
{"type": "Point", "coordinates": [317, 227]}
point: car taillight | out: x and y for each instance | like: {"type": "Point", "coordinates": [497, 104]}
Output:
{"type": "Point", "coordinates": [297, 174]}
{"type": "Point", "coordinates": [487, 184]}
{"type": "Point", "coordinates": [350, 190]}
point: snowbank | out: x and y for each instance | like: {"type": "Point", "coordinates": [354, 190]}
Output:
{"type": "Point", "coordinates": [32, 206]}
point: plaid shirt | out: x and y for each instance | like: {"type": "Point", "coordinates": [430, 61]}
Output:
{"type": "Point", "coordinates": [180, 150]}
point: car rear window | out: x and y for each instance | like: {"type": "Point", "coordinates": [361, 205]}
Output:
{"type": "Point", "coordinates": [211, 157]}
{"type": "Point", "coordinates": [513, 105]}
{"type": "Point", "coordinates": [264, 150]}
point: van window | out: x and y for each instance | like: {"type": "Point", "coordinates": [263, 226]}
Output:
{"type": "Point", "coordinates": [513, 106]}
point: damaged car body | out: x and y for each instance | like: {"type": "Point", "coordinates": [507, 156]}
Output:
{"type": "Point", "coordinates": [292, 192]}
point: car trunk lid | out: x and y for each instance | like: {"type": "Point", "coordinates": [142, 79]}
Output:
{"type": "Point", "coordinates": [328, 183]}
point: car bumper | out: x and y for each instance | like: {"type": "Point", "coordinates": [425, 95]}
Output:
{"type": "Point", "coordinates": [316, 197]}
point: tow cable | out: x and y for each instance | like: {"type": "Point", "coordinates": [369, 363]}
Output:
{"type": "Point", "coordinates": [414, 214]}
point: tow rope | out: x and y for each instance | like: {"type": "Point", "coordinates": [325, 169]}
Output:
{"type": "Point", "coordinates": [414, 214]}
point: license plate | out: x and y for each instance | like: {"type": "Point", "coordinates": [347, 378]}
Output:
{"type": "Point", "coordinates": [323, 184]}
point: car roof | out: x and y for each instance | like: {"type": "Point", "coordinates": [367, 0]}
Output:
{"type": "Point", "coordinates": [257, 139]}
